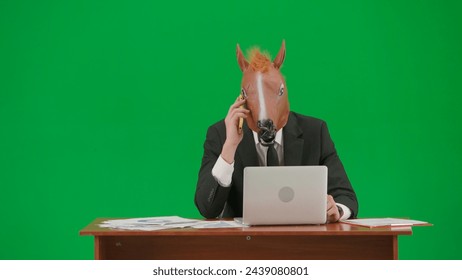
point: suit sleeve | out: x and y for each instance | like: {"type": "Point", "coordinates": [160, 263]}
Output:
{"type": "Point", "coordinates": [210, 197]}
{"type": "Point", "coordinates": [339, 185]}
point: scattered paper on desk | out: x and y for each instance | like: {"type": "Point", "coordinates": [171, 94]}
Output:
{"type": "Point", "coordinates": [385, 222]}
{"type": "Point", "coordinates": [218, 224]}
{"type": "Point", "coordinates": [149, 224]}
{"type": "Point", "coordinates": [167, 222]}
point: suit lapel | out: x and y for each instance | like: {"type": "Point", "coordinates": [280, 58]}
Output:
{"type": "Point", "coordinates": [246, 149]}
{"type": "Point", "coordinates": [293, 142]}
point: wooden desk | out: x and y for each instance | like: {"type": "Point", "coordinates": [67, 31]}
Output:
{"type": "Point", "coordinates": [331, 241]}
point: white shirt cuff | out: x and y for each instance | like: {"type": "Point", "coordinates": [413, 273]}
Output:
{"type": "Point", "coordinates": [346, 212]}
{"type": "Point", "coordinates": [223, 172]}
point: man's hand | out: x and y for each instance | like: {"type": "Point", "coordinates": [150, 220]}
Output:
{"type": "Point", "coordinates": [233, 137]}
{"type": "Point", "coordinates": [333, 214]}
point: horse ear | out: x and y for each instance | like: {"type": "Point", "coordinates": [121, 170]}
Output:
{"type": "Point", "coordinates": [243, 64]}
{"type": "Point", "coordinates": [277, 63]}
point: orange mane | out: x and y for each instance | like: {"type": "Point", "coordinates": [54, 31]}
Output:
{"type": "Point", "coordinates": [259, 61]}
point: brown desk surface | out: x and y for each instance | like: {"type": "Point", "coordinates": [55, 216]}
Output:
{"type": "Point", "coordinates": [300, 230]}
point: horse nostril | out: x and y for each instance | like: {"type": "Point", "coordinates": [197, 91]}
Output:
{"type": "Point", "coordinates": [259, 124]}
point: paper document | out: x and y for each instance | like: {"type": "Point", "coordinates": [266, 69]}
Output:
{"type": "Point", "coordinates": [218, 224]}
{"type": "Point", "coordinates": [385, 222]}
{"type": "Point", "coordinates": [151, 223]}
{"type": "Point", "coordinates": [167, 222]}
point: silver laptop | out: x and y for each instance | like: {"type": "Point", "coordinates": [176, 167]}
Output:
{"type": "Point", "coordinates": [285, 195]}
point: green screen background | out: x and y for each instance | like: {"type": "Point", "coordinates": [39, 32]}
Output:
{"type": "Point", "coordinates": [104, 106]}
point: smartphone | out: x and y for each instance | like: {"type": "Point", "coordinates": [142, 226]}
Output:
{"type": "Point", "coordinates": [241, 120]}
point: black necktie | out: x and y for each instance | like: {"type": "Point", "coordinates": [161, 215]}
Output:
{"type": "Point", "coordinates": [272, 156]}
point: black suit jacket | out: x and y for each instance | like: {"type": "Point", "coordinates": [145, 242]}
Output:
{"type": "Point", "coordinates": [306, 142]}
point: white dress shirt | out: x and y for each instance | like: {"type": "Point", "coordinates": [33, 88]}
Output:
{"type": "Point", "coordinates": [223, 171]}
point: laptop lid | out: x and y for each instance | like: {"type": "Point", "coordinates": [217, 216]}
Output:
{"type": "Point", "coordinates": [285, 195]}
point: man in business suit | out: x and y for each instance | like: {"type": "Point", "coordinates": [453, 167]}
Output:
{"type": "Point", "coordinates": [275, 137]}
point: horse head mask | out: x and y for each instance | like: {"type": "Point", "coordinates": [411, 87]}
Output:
{"type": "Point", "coordinates": [265, 91]}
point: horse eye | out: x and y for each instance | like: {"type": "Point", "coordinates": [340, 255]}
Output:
{"type": "Point", "coordinates": [281, 90]}
{"type": "Point", "coordinates": [244, 93]}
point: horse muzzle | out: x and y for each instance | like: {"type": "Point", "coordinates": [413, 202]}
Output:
{"type": "Point", "coordinates": [267, 132]}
